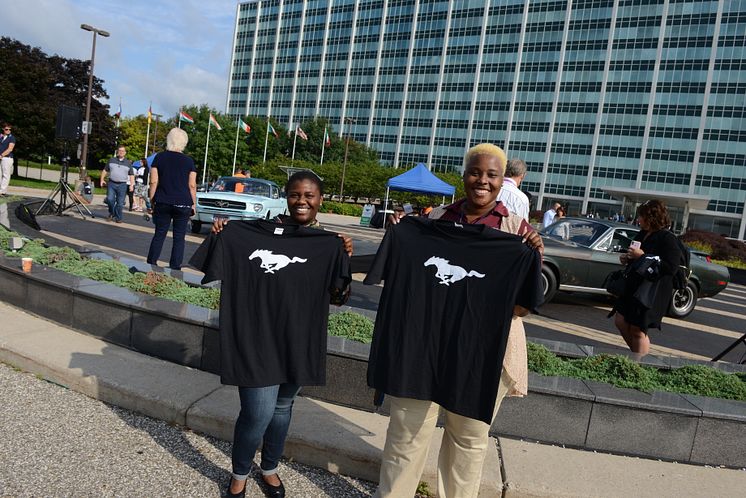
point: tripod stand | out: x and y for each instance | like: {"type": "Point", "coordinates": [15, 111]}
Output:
{"type": "Point", "coordinates": [730, 348]}
{"type": "Point", "coordinates": [66, 194]}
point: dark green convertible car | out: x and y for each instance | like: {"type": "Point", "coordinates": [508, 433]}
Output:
{"type": "Point", "coordinates": [579, 253]}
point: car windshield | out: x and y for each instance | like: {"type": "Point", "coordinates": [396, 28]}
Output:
{"type": "Point", "coordinates": [581, 232]}
{"type": "Point", "coordinates": [242, 186]}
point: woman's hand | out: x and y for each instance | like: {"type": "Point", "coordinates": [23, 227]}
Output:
{"type": "Point", "coordinates": [519, 310]}
{"type": "Point", "coordinates": [533, 240]}
{"type": "Point", "coordinates": [218, 224]}
{"type": "Point", "coordinates": [393, 219]}
{"type": "Point", "coordinates": [347, 241]}
{"type": "Point", "coordinates": [634, 253]}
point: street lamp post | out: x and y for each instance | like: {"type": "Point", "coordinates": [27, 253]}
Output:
{"type": "Point", "coordinates": [84, 152]}
{"type": "Point", "coordinates": [344, 165]}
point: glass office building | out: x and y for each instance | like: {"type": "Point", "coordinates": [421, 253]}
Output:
{"type": "Point", "coordinates": [607, 101]}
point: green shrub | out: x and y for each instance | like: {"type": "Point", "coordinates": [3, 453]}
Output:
{"type": "Point", "coordinates": [698, 245]}
{"type": "Point", "coordinates": [341, 208]}
{"type": "Point", "coordinates": [353, 326]}
{"type": "Point", "coordinates": [620, 371]}
{"type": "Point", "coordinates": [544, 362]}
{"type": "Point", "coordinates": [731, 263]}
{"type": "Point", "coordinates": [616, 370]}
{"type": "Point", "coordinates": [704, 381]}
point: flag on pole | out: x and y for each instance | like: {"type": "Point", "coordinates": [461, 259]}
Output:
{"type": "Point", "coordinates": [244, 126]}
{"type": "Point", "coordinates": [302, 134]}
{"type": "Point", "coordinates": [185, 117]}
{"type": "Point", "coordinates": [150, 113]}
{"type": "Point", "coordinates": [271, 130]}
{"type": "Point", "coordinates": [119, 113]}
{"type": "Point", "coordinates": [327, 141]}
{"type": "Point", "coordinates": [214, 122]}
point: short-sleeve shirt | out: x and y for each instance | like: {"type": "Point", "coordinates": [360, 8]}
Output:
{"type": "Point", "coordinates": [277, 281]}
{"type": "Point", "coordinates": [445, 311]}
{"type": "Point", "coordinates": [5, 141]}
{"type": "Point", "coordinates": [514, 200]}
{"type": "Point", "coordinates": [119, 170]}
{"type": "Point", "coordinates": [173, 178]}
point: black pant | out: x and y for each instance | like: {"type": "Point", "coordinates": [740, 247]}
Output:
{"type": "Point", "coordinates": [163, 215]}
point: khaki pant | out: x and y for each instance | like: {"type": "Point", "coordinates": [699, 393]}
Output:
{"type": "Point", "coordinates": [462, 450]}
{"type": "Point", "coordinates": [6, 169]}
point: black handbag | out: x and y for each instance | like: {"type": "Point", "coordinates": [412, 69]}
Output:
{"type": "Point", "coordinates": [616, 282]}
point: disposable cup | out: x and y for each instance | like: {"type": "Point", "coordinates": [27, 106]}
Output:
{"type": "Point", "coordinates": [26, 263]}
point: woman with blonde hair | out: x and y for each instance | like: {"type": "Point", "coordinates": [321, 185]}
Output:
{"type": "Point", "coordinates": [412, 421]}
{"type": "Point", "coordinates": [173, 196]}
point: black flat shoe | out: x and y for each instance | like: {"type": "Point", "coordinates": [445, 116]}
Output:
{"type": "Point", "coordinates": [272, 491]}
{"type": "Point", "coordinates": [240, 494]}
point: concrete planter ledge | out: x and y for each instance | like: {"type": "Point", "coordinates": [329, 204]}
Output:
{"type": "Point", "coordinates": [571, 412]}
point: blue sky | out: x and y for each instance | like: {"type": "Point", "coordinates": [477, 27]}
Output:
{"type": "Point", "coordinates": [173, 52]}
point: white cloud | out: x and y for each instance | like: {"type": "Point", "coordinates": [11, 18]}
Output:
{"type": "Point", "coordinates": [173, 52]}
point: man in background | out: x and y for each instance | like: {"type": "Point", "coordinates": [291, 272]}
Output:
{"type": "Point", "coordinates": [7, 144]}
{"type": "Point", "coordinates": [550, 214]}
{"type": "Point", "coordinates": [119, 169]}
{"type": "Point", "coordinates": [510, 195]}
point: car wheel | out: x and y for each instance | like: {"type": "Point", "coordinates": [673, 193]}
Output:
{"type": "Point", "coordinates": [548, 283]}
{"type": "Point", "coordinates": [683, 301]}
{"type": "Point", "coordinates": [196, 226]}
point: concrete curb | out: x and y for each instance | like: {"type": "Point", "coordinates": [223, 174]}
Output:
{"type": "Point", "coordinates": [333, 437]}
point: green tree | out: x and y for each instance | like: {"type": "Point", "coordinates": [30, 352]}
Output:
{"type": "Point", "coordinates": [32, 87]}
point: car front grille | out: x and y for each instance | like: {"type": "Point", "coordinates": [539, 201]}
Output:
{"type": "Point", "coordinates": [222, 204]}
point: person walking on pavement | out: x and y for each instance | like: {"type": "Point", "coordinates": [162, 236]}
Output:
{"type": "Point", "coordinates": [7, 144]}
{"type": "Point", "coordinates": [173, 196]}
{"type": "Point", "coordinates": [119, 170]}
{"type": "Point", "coordinates": [511, 197]}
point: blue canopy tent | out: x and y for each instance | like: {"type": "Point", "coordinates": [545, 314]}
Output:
{"type": "Point", "coordinates": [418, 179]}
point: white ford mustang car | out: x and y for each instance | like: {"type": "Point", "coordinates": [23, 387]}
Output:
{"type": "Point", "coordinates": [238, 198]}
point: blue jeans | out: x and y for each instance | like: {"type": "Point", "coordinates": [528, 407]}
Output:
{"type": "Point", "coordinates": [115, 195]}
{"type": "Point", "coordinates": [163, 215]}
{"type": "Point", "coordinates": [265, 416]}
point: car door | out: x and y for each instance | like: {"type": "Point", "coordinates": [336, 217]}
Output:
{"type": "Point", "coordinates": [606, 252]}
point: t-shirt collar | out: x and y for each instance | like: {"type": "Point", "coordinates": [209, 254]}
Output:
{"type": "Point", "coordinates": [498, 210]}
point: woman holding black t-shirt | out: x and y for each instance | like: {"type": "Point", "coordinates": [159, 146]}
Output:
{"type": "Point", "coordinates": [412, 421]}
{"type": "Point", "coordinates": [266, 411]}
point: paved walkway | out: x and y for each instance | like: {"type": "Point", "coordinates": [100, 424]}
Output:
{"type": "Point", "coordinates": [78, 446]}
{"type": "Point", "coordinates": [58, 442]}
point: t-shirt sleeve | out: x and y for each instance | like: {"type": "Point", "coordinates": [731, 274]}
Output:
{"type": "Point", "coordinates": [192, 167]}
{"type": "Point", "coordinates": [377, 270]}
{"type": "Point", "coordinates": [530, 294]}
{"type": "Point", "coordinates": [208, 258]}
{"type": "Point", "coordinates": [341, 277]}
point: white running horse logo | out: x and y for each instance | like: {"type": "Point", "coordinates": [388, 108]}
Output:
{"type": "Point", "coordinates": [448, 273]}
{"type": "Point", "coordinates": [272, 262]}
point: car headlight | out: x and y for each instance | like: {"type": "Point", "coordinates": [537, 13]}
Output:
{"type": "Point", "coordinates": [258, 207]}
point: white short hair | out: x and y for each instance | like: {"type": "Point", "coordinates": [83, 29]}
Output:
{"type": "Point", "coordinates": [177, 140]}
{"type": "Point", "coordinates": [486, 150]}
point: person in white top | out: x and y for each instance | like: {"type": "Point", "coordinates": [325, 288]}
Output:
{"type": "Point", "coordinates": [513, 199]}
{"type": "Point", "coordinates": [550, 214]}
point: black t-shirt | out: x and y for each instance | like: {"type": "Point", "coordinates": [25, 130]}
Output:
{"type": "Point", "coordinates": [445, 311]}
{"type": "Point", "coordinates": [277, 280]}
{"type": "Point", "coordinates": [173, 178]}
